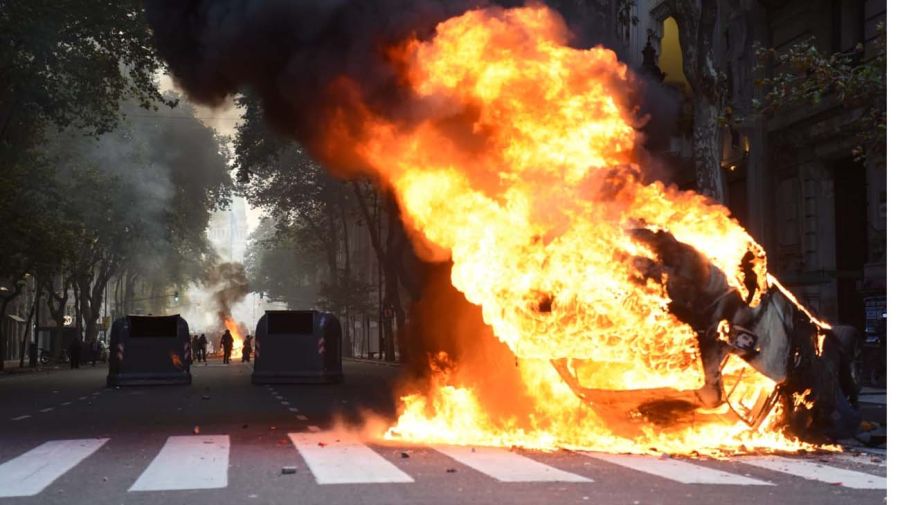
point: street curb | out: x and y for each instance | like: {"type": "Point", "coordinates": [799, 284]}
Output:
{"type": "Point", "coordinates": [18, 372]}
{"type": "Point", "coordinates": [392, 364]}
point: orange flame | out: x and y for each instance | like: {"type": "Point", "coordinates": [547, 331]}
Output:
{"type": "Point", "coordinates": [238, 336]}
{"type": "Point", "coordinates": [519, 166]}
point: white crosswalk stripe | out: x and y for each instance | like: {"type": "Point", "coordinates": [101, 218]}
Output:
{"type": "Point", "coordinates": [347, 461]}
{"type": "Point", "coordinates": [677, 470]}
{"type": "Point", "coordinates": [816, 471]}
{"type": "Point", "coordinates": [187, 462]}
{"type": "Point", "coordinates": [202, 461]}
{"type": "Point", "coordinates": [507, 466]}
{"type": "Point", "coordinates": [30, 473]}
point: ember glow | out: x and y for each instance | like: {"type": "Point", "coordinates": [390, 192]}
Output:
{"type": "Point", "coordinates": [519, 166]}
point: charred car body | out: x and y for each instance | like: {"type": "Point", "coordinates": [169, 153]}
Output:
{"type": "Point", "coordinates": [808, 361]}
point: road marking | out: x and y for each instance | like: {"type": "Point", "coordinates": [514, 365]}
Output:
{"type": "Point", "coordinates": [301, 417]}
{"type": "Point", "coordinates": [507, 466]}
{"type": "Point", "coordinates": [313, 428]}
{"type": "Point", "coordinates": [285, 403]}
{"type": "Point", "coordinates": [63, 404]}
{"type": "Point", "coordinates": [48, 409]}
{"type": "Point", "coordinates": [347, 461]}
{"type": "Point", "coordinates": [679, 471]}
{"type": "Point", "coordinates": [26, 416]}
{"type": "Point", "coordinates": [816, 471]}
{"type": "Point", "coordinates": [30, 473]}
{"type": "Point", "coordinates": [82, 397]}
{"type": "Point", "coordinates": [292, 409]}
{"type": "Point", "coordinates": [187, 462]}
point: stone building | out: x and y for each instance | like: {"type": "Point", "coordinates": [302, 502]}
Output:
{"type": "Point", "coordinates": [791, 179]}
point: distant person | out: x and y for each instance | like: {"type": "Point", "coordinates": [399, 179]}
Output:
{"type": "Point", "coordinates": [226, 343]}
{"type": "Point", "coordinates": [95, 351]}
{"type": "Point", "coordinates": [195, 348]}
{"type": "Point", "coordinates": [75, 353]}
{"type": "Point", "coordinates": [247, 349]}
{"type": "Point", "coordinates": [201, 346]}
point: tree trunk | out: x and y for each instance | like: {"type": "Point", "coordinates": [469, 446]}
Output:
{"type": "Point", "coordinates": [344, 290]}
{"type": "Point", "coordinates": [3, 305]}
{"type": "Point", "coordinates": [27, 326]}
{"type": "Point", "coordinates": [697, 33]}
{"type": "Point", "coordinates": [58, 311]}
{"type": "Point", "coordinates": [76, 294]}
{"type": "Point", "coordinates": [128, 298]}
{"type": "Point", "coordinates": [707, 148]}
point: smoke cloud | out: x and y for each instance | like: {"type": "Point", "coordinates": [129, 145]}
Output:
{"type": "Point", "coordinates": [289, 53]}
{"type": "Point", "coordinates": [229, 285]}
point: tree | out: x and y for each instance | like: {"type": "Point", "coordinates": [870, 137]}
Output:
{"type": "Point", "coordinates": [802, 75]}
{"type": "Point", "coordinates": [137, 200]}
{"type": "Point", "coordinates": [64, 64]}
{"type": "Point", "coordinates": [301, 196]}
{"type": "Point", "coordinates": [316, 209]}
{"type": "Point", "coordinates": [701, 55]}
{"type": "Point", "coordinates": [35, 232]}
{"type": "Point", "coordinates": [71, 63]}
{"type": "Point", "coordinates": [280, 268]}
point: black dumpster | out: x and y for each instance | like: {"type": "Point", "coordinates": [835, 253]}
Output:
{"type": "Point", "coordinates": [297, 346]}
{"type": "Point", "coordinates": [149, 350]}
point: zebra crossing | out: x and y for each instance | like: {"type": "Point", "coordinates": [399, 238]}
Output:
{"type": "Point", "coordinates": [345, 459]}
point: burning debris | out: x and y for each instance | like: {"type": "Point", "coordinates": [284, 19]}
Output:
{"type": "Point", "coordinates": [639, 318]}
{"type": "Point", "coordinates": [229, 284]}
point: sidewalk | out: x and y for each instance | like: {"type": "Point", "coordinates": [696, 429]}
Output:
{"type": "Point", "coordinates": [373, 361]}
{"type": "Point", "coordinates": [873, 395]}
{"type": "Point", "coordinates": [11, 367]}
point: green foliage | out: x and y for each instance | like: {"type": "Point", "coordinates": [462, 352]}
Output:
{"type": "Point", "coordinates": [71, 62]}
{"type": "Point", "coordinates": [141, 195]}
{"type": "Point", "coordinates": [804, 76]}
{"type": "Point", "coordinates": [278, 267]}
{"type": "Point", "coordinates": [35, 225]}
{"type": "Point", "coordinates": [310, 210]}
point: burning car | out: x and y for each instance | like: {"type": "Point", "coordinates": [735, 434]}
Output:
{"type": "Point", "coordinates": [788, 357]}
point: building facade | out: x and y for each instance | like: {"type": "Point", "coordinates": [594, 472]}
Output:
{"type": "Point", "coordinates": [791, 179]}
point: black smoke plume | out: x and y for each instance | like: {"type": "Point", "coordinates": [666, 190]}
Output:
{"type": "Point", "coordinates": [229, 284]}
{"type": "Point", "coordinates": [290, 52]}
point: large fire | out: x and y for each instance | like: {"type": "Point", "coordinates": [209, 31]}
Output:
{"type": "Point", "coordinates": [518, 164]}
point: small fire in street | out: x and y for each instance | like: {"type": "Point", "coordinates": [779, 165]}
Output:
{"type": "Point", "coordinates": [238, 333]}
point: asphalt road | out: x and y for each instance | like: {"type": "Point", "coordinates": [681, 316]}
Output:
{"type": "Point", "coordinates": [67, 439]}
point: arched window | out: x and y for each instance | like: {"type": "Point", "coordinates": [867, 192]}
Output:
{"type": "Point", "coordinates": [670, 59]}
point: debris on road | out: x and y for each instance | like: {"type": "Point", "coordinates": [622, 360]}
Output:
{"type": "Point", "coordinates": [288, 470]}
{"type": "Point", "coordinates": [196, 430]}
{"type": "Point", "coordinates": [404, 455]}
